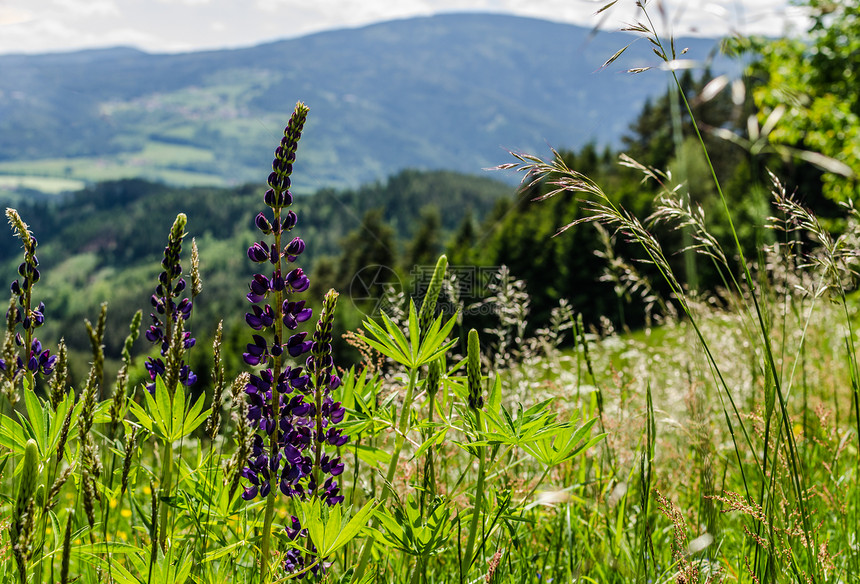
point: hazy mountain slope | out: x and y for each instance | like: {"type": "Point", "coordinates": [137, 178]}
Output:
{"type": "Point", "coordinates": [450, 91]}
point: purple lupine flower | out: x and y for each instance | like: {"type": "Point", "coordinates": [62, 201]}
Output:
{"type": "Point", "coordinates": [277, 407]}
{"type": "Point", "coordinates": [170, 309]}
{"type": "Point", "coordinates": [288, 404]}
{"type": "Point", "coordinates": [33, 357]}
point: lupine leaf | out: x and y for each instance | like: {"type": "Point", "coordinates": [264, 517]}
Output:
{"type": "Point", "coordinates": [370, 455]}
{"type": "Point", "coordinates": [142, 416]}
{"type": "Point", "coordinates": [436, 335]}
{"type": "Point", "coordinates": [436, 438]}
{"type": "Point", "coordinates": [221, 552]}
{"type": "Point", "coordinates": [27, 425]}
{"type": "Point", "coordinates": [328, 528]}
{"type": "Point", "coordinates": [397, 336]}
{"type": "Point", "coordinates": [12, 434]}
{"type": "Point", "coordinates": [36, 417]}
{"type": "Point", "coordinates": [162, 403]}
{"type": "Point", "coordinates": [195, 418]}
{"type": "Point", "coordinates": [153, 415]}
{"type": "Point", "coordinates": [564, 443]}
{"type": "Point", "coordinates": [119, 573]}
{"type": "Point", "coordinates": [494, 399]}
{"type": "Point", "coordinates": [67, 402]}
{"type": "Point", "coordinates": [385, 343]}
{"type": "Point", "coordinates": [439, 352]}
{"type": "Point", "coordinates": [177, 413]}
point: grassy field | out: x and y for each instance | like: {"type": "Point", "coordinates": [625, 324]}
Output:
{"type": "Point", "coordinates": [158, 161]}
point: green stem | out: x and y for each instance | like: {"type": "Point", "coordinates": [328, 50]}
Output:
{"type": "Point", "coordinates": [476, 513]}
{"type": "Point", "coordinates": [164, 492]}
{"type": "Point", "coordinates": [431, 469]}
{"type": "Point", "coordinates": [416, 572]}
{"type": "Point", "coordinates": [402, 429]}
{"type": "Point", "coordinates": [277, 306]}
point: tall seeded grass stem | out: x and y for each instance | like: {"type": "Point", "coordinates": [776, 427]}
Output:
{"type": "Point", "coordinates": [770, 362]}
{"type": "Point", "coordinates": [793, 459]}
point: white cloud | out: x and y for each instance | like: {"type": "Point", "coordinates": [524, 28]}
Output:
{"type": "Point", "coordinates": [185, 2]}
{"type": "Point", "coordinates": [89, 7]}
{"type": "Point", "coordinates": [55, 34]}
{"type": "Point", "coordinates": [12, 15]}
{"type": "Point", "coordinates": [171, 25]}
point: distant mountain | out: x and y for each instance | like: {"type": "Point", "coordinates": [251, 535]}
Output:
{"type": "Point", "coordinates": [450, 91]}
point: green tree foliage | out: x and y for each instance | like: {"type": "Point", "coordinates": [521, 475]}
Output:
{"type": "Point", "coordinates": [520, 236]}
{"type": "Point", "coordinates": [372, 244]}
{"type": "Point", "coordinates": [103, 244]}
{"type": "Point", "coordinates": [655, 135]}
{"type": "Point", "coordinates": [813, 82]}
{"type": "Point", "coordinates": [460, 246]}
{"type": "Point", "coordinates": [425, 246]}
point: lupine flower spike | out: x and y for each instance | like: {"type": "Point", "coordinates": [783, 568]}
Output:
{"type": "Point", "coordinates": [289, 407]}
{"type": "Point", "coordinates": [473, 371]}
{"type": "Point", "coordinates": [30, 357]}
{"type": "Point", "coordinates": [171, 311]}
{"type": "Point", "coordinates": [428, 306]}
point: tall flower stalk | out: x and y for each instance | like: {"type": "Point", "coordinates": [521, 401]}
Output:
{"type": "Point", "coordinates": [167, 330]}
{"type": "Point", "coordinates": [23, 355]}
{"type": "Point", "coordinates": [289, 407]}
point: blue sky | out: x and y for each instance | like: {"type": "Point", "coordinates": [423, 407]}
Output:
{"type": "Point", "coordinates": [33, 26]}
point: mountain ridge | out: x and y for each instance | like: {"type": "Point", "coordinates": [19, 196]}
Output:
{"type": "Point", "coordinates": [445, 91]}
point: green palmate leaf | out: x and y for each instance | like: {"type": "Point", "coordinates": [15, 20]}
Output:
{"type": "Point", "coordinates": [13, 435]}
{"type": "Point", "coordinates": [532, 424]}
{"type": "Point", "coordinates": [153, 418]}
{"type": "Point", "coordinates": [565, 442]}
{"type": "Point", "coordinates": [410, 530]}
{"type": "Point", "coordinates": [37, 417]}
{"type": "Point", "coordinates": [494, 399]}
{"type": "Point", "coordinates": [328, 528]}
{"type": "Point", "coordinates": [59, 417]}
{"type": "Point", "coordinates": [107, 547]}
{"type": "Point", "coordinates": [434, 345]}
{"type": "Point", "coordinates": [416, 352]}
{"type": "Point", "coordinates": [397, 335]}
{"type": "Point", "coordinates": [435, 439]}
{"type": "Point", "coordinates": [196, 416]}
{"type": "Point", "coordinates": [356, 383]}
{"type": "Point", "coordinates": [375, 457]}
{"type": "Point", "coordinates": [221, 552]}
{"type": "Point", "coordinates": [119, 573]}
{"type": "Point", "coordinates": [177, 413]}
{"type": "Point", "coordinates": [385, 344]}
{"type": "Point", "coordinates": [162, 410]}
{"type": "Point", "coordinates": [143, 417]}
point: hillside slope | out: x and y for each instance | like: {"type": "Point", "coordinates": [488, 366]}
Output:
{"type": "Point", "coordinates": [450, 91]}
